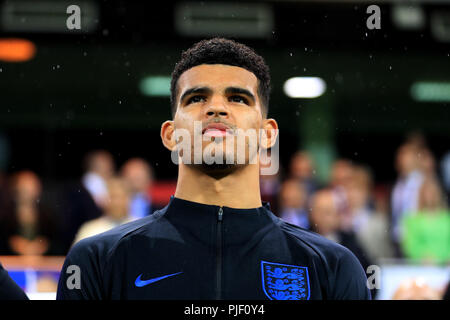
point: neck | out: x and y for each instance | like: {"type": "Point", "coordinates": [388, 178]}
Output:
{"type": "Point", "coordinates": [238, 189]}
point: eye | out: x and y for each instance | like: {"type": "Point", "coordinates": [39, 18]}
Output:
{"type": "Point", "coordinates": [239, 99]}
{"type": "Point", "coordinates": [195, 99]}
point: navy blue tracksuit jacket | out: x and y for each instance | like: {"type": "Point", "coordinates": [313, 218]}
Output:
{"type": "Point", "coordinates": [193, 251]}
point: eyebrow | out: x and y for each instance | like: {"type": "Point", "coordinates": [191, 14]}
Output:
{"type": "Point", "coordinates": [207, 90]}
{"type": "Point", "coordinates": [202, 90]}
{"type": "Point", "coordinates": [238, 90]}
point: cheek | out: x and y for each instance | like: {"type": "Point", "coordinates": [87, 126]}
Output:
{"type": "Point", "coordinates": [183, 120]}
{"type": "Point", "coordinates": [185, 125]}
{"type": "Point", "coordinates": [250, 119]}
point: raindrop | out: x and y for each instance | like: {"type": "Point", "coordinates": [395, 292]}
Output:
{"type": "Point", "coordinates": [120, 101]}
{"type": "Point", "coordinates": [101, 133]}
{"type": "Point", "coordinates": [290, 53]}
{"type": "Point", "coordinates": [390, 67]}
{"type": "Point", "coordinates": [84, 53]}
{"type": "Point", "coordinates": [1, 70]}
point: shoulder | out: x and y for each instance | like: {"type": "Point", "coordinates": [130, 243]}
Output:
{"type": "Point", "coordinates": [93, 255]}
{"type": "Point", "coordinates": [104, 244]}
{"type": "Point", "coordinates": [346, 278]}
{"type": "Point", "coordinates": [316, 244]}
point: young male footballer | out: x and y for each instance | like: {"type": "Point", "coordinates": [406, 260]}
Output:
{"type": "Point", "coordinates": [215, 239]}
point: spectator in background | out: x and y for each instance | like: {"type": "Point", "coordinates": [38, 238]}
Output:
{"type": "Point", "coordinates": [426, 235]}
{"type": "Point", "coordinates": [302, 169]}
{"type": "Point", "coordinates": [325, 220]}
{"type": "Point", "coordinates": [293, 199]}
{"type": "Point", "coordinates": [427, 163]}
{"type": "Point", "coordinates": [99, 167]}
{"type": "Point", "coordinates": [416, 289]}
{"type": "Point", "coordinates": [115, 211]}
{"type": "Point", "coordinates": [138, 175]}
{"type": "Point", "coordinates": [405, 193]}
{"type": "Point", "coordinates": [370, 221]}
{"type": "Point", "coordinates": [83, 200]}
{"type": "Point", "coordinates": [341, 178]}
{"type": "Point", "coordinates": [358, 191]}
{"type": "Point", "coordinates": [27, 227]}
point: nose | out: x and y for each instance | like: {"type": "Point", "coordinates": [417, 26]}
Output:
{"type": "Point", "coordinates": [217, 109]}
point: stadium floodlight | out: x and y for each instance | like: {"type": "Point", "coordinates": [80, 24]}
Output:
{"type": "Point", "coordinates": [155, 86]}
{"type": "Point", "coordinates": [424, 91]}
{"type": "Point", "coordinates": [304, 87]}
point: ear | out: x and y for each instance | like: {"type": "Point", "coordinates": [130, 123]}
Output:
{"type": "Point", "coordinates": [270, 134]}
{"type": "Point", "coordinates": [167, 134]}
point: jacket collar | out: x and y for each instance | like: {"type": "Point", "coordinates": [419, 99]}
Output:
{"type": "Point", "coordinates": [201, 220]}
{"type": "Point", "coordinates": [186, 205]}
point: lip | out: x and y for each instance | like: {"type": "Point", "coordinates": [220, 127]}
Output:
{"type": "Point", "coordinates": [216, 126]}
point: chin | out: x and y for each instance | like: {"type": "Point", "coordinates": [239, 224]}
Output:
{"type": "Point", "coordinates": [217, 170]}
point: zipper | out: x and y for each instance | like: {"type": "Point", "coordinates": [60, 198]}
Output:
{"type": "Point", "coordinates": [219, 255]}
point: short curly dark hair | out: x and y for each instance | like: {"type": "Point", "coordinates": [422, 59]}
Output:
{"type": "Point", "coordinates": [223, 51]}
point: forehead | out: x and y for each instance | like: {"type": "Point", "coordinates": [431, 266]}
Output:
{"type": "Point", "coordinates": [217, 76]}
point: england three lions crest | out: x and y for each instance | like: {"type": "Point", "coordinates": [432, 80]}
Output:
{"type": "Point", "coordinates": [285, 282]}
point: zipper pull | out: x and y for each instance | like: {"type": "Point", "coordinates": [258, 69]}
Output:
{"type": "Point", "coordinates": [220, 214]}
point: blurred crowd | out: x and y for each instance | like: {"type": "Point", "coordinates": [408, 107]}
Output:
{"type": "Point", "coordinates": [408, 219]}
{"type": "Point", "coordinates": [100, 200]}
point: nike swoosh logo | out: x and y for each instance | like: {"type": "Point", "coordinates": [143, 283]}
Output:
{"type": "Point", "coordinates": [142, 283]}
